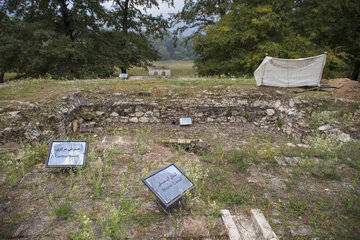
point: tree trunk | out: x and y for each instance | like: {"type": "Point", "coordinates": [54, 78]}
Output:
{"type": "Point", "coordinates": [65, 17]}
{"type": "Point", "coordinates": [2, 77]}
{"type": "Point", "coordinates": [356, 71]}
{"type": "Point", "coordinates": [125, 27]}
{"type": "Point", "coordinates": [125, 18]}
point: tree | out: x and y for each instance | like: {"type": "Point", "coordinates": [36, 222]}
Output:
{"type": "Point", "coordinates": [237, 43]}
{"type": "Point", "coordinates": [54, 35]}
{"type": "Point", "coordinates": [9, 47]}
{"type": "Point", "coordinates": [77, 38]}
{"type": "Point", "coordinates": [199, 14]}
{"type": "Point", "coordinates": [169, 51]}
{"type": "Point", "coordinates": [335, 24]}
{"type": "Point", "coordinates": [130, 17]}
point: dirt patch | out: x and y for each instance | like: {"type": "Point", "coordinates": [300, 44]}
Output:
{"type": "Point", "coordinates": [346, 88]}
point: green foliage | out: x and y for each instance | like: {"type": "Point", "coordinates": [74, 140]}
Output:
{"type": "Point", "coordinates": [324, 146]}
{"type": "Point", "coordinates": [114, 227]}
{"type": "Point", "coordinates": [350, 153]}
{"type": "Point", "coordinates": [76, 39]}
{"type": "Point", "coordinates": [238, 157]}
{"type": "Point", "coordinates": [16, 165]}
{"type": "Point", "coordinates": [96, 175]}
{"type": "Point", "coordinates": [196, 15]}
{"type": "Point", "coordinates": [168, 50]}
{"type": "Point", "coordinates": [298, 206]}
{"type": "Point", "coordinates": [351, 201]}
{"type": "Point", "coordinates": [85, 232]}
{"type": "Point", "coordinates": [146, 218]}
{"type": "Point", "coordinates": [143, 138]}
{"type": "Point", "coordinates": [331, 24]}
{"type": "Point", "coordinates": [217, 153]}
{"type": "Point", "coordinates": [237, 43]}
{"type": "Point", "coordinates": [216, 176]}
{"type": "Point", "coordinates": [279, 123]}
{"type": "Point", "coordinates": [231, 196]}
{"type": "Point", "coordinates": [60, 209]}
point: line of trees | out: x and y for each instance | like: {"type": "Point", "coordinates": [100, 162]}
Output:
{"type": "Point", "coordinates": [82, 38]}
{"type": "Point", "coordinates": [232, 36]}
{"type": "Point", "coordinates": [77, 38]}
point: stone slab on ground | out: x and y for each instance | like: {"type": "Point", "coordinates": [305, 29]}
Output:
{"type": "Point", "coordinates": [248, 227]}
{"type": "Point", "coordinates": [229, 223]}
{"type": "Point", "coordinates": [245, 227]}
{"type": "Point", "coordinates": [261, 226]}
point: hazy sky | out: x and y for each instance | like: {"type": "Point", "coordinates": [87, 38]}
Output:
{"type": "Point", "coordinates": [163, 8]}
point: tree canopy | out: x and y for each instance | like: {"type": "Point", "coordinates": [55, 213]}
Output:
{"type": "Point", "coordinates": [77, 38]}
{"type": "Point", "coordinates": [247, 29]}
{"type": "Point", "coordinates": [83, 38]}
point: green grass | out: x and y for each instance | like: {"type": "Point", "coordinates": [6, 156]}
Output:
{"type": "Point", "coordinates": [231, 197]}
{"type": "Point", "coordinates": [238, 157]}
{"type": "Point", "coordinates": [16, 165]}
{"type": "Point", "coordinates": [111, 194]}
{"type": "Point", "coordinates": [63, 210]}
{"type": "Point", "coordinates": [9, 76]}
{"type": "Point", "coordinates": [34, 89]}
{"type": "Point", "coordinates": [145, 219]}
{"type": "Point", "coordinates": [178, 69]}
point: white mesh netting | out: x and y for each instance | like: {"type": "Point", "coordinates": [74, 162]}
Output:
{"type": "Point", "coordinates": [300, 72]}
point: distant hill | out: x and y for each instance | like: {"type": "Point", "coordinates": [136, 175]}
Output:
{"type": "Point", "coordinates": [169, 51]}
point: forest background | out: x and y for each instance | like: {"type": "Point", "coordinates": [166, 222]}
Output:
{"type": "Point", "coordinates": [66, 39]}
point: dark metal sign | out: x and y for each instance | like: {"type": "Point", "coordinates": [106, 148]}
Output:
{"type": "Point", "coordinates": [65, 154]}
{"type": "Point", "coordinates": [168, 184]}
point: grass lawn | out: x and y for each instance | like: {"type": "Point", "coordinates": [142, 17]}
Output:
{"type": "Point", "coordinates": [178, 69]}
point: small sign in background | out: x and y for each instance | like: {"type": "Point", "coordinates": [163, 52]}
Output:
{"type": "Point", "coordinates": [168, 184]}
{"type": "Point", "coordinates": [65, 154]}
{"type": "Point", "coordinates": [185, 121]}
{"type": "Point", "coordinates": [123, 75]}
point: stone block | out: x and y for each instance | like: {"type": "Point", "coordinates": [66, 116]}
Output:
{"type": "Point", "coordinates": [139, 114]}
{"type": "Point", "coordinates": [270, 112]}
{"type": "Point", "coordinates": [229, 223]}
{"type": "Point", "coordinates": [262, 227]}
{"type": "Point", "coordinates": [124, 119]}
{"type": "Point", "coordinates": [144, 120]}
{"type": "Point", "coordinates": [134, 120]}
{"type": "Point", "coordinates": [114, 114]}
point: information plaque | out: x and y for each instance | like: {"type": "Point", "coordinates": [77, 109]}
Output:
{"type": "Point", "coordinates": [66, 154]}
{"type": "Point", "coordinates": [168, 184]}
{"type": "Point", "coordinates": [185, 121]}
{"type": "Point", "coordinates": [123, 75]}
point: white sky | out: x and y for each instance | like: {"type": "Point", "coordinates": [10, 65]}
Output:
{"type": "Point", "coordinates": [163, 8]}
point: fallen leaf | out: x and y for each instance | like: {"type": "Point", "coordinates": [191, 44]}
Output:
{"type": "Point", "coordinates": [341, 167]}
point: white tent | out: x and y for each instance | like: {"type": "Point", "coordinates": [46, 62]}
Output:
{"type": "Point", "coordinates": [300, 72]}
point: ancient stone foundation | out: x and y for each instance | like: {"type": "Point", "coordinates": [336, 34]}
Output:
{"type": "Point", "coordinates": [83, 112]}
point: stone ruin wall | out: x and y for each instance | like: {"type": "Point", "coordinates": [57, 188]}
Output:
{"type": "Point", "coordinates": [78, 113]}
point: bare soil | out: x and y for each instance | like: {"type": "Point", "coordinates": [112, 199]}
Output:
{"type": "Point", "coordinates": [346, 88]}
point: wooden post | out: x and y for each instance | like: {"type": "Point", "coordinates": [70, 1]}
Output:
{"type": "Point", "coordinates": [325, 53]}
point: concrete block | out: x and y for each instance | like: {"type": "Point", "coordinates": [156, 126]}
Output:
{"type": "Point", "coordinates": [230, 225]}
{"type": "Point", "coordinates": [262, 227]}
